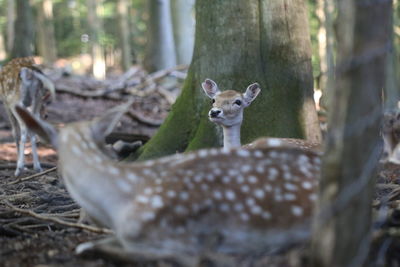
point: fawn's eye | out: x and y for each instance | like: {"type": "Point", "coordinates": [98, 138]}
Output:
{"type": "Point", "coordinates": [213, 101]}
{"type": "Point", "coordinates": [238, 102]}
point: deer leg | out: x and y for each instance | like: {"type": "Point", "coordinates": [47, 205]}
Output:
{"type": "Point", "coordinates": [21, 149]}
{"type": "Point", "coordinates": [36, 163]}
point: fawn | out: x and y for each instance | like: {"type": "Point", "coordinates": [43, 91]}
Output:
{"type": "Point", "coordinates": [227, 111]}
{"type": "Point", "coordinates": [179, 207]}
{"type": "Point", "coordinates": [22, 83]}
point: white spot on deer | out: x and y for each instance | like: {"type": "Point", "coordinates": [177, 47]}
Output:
{"type": "Point", "coordinates": [171, 193]}
{"type": "Point", "coordinates": [245, 188]}
{"type": "Point", "coordinates": [148, 216]}
{"type": "Point", "coordinates": [289, 196]}
{"type": "Point", "coordinates": [210, 177]}
{"type": "Point", "coordinates": [148, 163]}
{"type": "Point", "coordinates": [252, 179]}
{"type": "Point", "coordinates": [203, 153]}
{"type": "Point", "coordinates": [245, 168]}
{"type": "Point", "coordinates": [278, 197]}
{"type": "Point", "coordinates": [158, 189]}
{"type": "Point", "coordinates": [158, 181]}
{"type": "Point", "coordinates": [266, 215]}
{"type": "Point", "coordinates": [230, 195]}
{"type": "Point", "coordinates": [258, 154]}
{"type": "Point", "coordinates": [297, 211]}
{"type": "Point", "coordinates": [217, 194]}
{"type": "Point", "coordinates": [250, 201]}
{"type": "Point", "coordinates": [244, 216]}
{"type": "Point", "coordinates": [256, 210]}
{"type": "Point", "coordinates": [238, 207]}
{"type": "Point", "coordinates": [92, 145]}
{"type": "Point", "coordinates": [274, 142]}
{"type": "Point", "coordinates": [273, 154]}
{"type": "Point", "coordinates": [142, 199]}
{"type": "Point", "coordinates": [224, 207]}
{"type": "Point", "coordinates": [287, 176]}
{"type": "Point", "coordinates": [131, 177]}
{"type": "Point", "coordinates": [233, 172]}
{"type": "Point", "coordinates": [306, 185]}
{"type": "Point", "coordinates": [184, 195]}
{"type": "Point", "coordinates": [290, 187]}
{"type": "Point", "coordinates": [226, 179]}
{"type": "Point", "coordinates": [260, 169]}
{"type": "Point", "coordinates": [240, 179]}
{"type": "Point", "coordinates": [243, 153]}
{"type": "Point", "coordinates": [204, 187]}
{"type": "Point", "coordinates": [272, 173]}
{"type": "Point", "coordinates": [268, 188]}
{"type": "Point", "coordinates": [156, 202]}
{"type": "Point", "coordinates": [259, 193]}
{"type": "Point", "coordinates": [148, 191]}
{"type": "Point", "coordinates": [312, 197]}
{"type": "Point", "coordinates": [198, 178]}
{"type": "Point", "coordinates": [148, 172]}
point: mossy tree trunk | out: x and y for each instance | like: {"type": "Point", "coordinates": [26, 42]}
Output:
{"type": "Point", "coordinates": [341, 235]}
{"type": "Point", "coordinates": [238, 43]}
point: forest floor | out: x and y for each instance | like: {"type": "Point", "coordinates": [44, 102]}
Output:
{"type": "Point", "coordinates": [29, 205]}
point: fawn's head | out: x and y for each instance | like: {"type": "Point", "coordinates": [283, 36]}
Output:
{"type": "Point", "coordinates": [227, 106]}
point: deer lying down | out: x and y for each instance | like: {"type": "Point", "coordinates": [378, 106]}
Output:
{"type": "Point", "coordinates": [186, 206]}
{"type": "Point", "coordinates": [227, 111]}
{"type": "Point", "coordinates": [22, 83]}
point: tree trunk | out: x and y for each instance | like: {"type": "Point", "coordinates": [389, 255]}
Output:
{"type": "Point", "coordinates": [46, 39]}
{"type": "Point", "coordinates": [183, 24]}
{"type": "Point", "coordinates": [124, 33]}
{"type": "Point", "coordinates": [341, 233]}
{"type": "Point", "coordinates": [95, 28]}
{"type": "Point", "coordinates": [239, 43]}
{"type": "Point", "coordinates": [10, 24]}
{"type": "Point", "coordinates": [160, 52]}
{"type": "Point", "coordinates": [24, 30]}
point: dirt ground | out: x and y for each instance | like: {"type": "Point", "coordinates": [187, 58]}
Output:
{"type": "Point", "coordinates": [29, 241]}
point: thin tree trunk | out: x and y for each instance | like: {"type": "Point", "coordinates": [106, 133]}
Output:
{"type": "Point", "coordinates": [95, 28]}
{"type": "Point", "coordinates": [160, 52]}
{"type": "Point", "coordinates": [341, 233]}
{"type": "Point", "coordinates": [322, 44]}
{"type": "Point", "coordinates": [269, 44]}
{"type": "Point", "coordinates": [124, 33]}
{"type": "Point", "coordinates": [46, 39]}
{"type": "Point", "coordinates": [183, 24]}
{"type": "Point", "coordinates": [24, 30]}
{"type": "Point", "coordinates": [10, 24]}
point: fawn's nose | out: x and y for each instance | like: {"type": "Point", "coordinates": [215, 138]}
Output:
{"type": "Point", "coordinates": [214, 113]}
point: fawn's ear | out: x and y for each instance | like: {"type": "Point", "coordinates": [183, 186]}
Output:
{"type": "Point", "coordinates": [251, 93]}
{"type": "Point", "coordinates": [210, 88]}
{"type": "Point", "coordinates": [103, 125]}
{"type": "Point", "coordinates": [43, 129]}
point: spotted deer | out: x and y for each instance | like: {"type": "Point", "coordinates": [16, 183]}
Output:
{"type": "Point", "coordinates": [185, 206]}
{"type": "Point", "coordinates": [227, 111]}
{"type": "Point", "coordinates": [22, 83]}
{"type": "Point", "coordinates": [391, 136]}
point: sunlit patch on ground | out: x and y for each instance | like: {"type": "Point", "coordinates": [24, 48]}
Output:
{"type": "Point", "coordinates": [8, 152]}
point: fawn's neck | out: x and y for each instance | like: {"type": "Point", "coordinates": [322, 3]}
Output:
{"type": "Point", "coordinates": [232, 136]}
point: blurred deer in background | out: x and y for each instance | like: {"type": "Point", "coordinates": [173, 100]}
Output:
{"type": "Point", "coordinates": [208, 202]}
{"type": "Point", "coordinates": [391, 136]}
{"type": "Point", "coordinates": [22, 83]}
{"type": "Point", "coordinates": [227, 111]}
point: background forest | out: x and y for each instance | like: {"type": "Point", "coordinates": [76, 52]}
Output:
{"type": "Point", "coordinates": [344, 55]}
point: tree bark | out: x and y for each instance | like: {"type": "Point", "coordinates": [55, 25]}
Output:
{"type": "Point", "coordinates": [95, 28]}
{"type": "Point", "coordinates": [24, 30]}
{"type": "Point", "coordinates": [160, 52]}
{"type": "Point", "coordinates": [46, 40]}
{"type": "Point", "coordinates": [341, 232]}
{"type": "Point", "coordinates": [238, 43]}
{"type": "Point", "coordinates": [124, 33]}
{"type": "Point", "coordinates": [10, 24]}
{"type": "Point", "coordinates": [183, 25]}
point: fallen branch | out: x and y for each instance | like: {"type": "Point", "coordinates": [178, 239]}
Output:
{"type": "Point", "coordinates": [32, 176]}
{"type": "Point", "coordinates": [140, 118]}
{"type": "Point", "coordinates": [57, 220]}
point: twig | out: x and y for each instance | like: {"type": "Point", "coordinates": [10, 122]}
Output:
{"type": "Point", "coordinates": [32, 176]}
{"type": "Point", "coordinates": [57, 220]}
